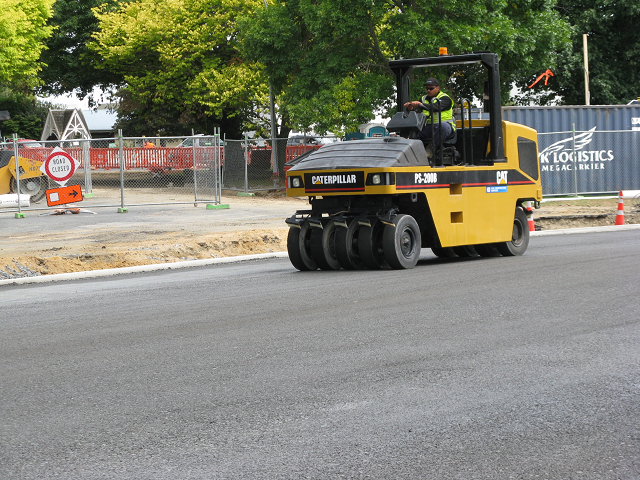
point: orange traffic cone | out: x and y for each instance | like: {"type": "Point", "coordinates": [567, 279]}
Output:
{"type": "Point", "coordinates": [620, 212]}
{"type": "Point", "coordinates": [529, 209]}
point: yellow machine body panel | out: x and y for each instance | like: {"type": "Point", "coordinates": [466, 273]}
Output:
{"type": "Point", "coordinates": [28, 169]}
{"type": "Point", "coordinates": [469, 204]}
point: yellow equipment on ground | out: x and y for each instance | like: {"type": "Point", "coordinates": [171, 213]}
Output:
{"type": "Point", "coordinates": [375, 203]}
{"type": "Point", "coordinates": [32, 181]}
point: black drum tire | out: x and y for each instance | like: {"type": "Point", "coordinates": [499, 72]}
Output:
{"type": "Point", "coordinates": [519, 236]}
{"type": "Point", "coordinates": [465, 251]}
{"type": "Point", "coordinates": [316, 245]}
{"type": "Point", "coordinates": [370, 245]}
{"type": "Point", "coordinates": [347, 251]}
{"type": "Point", "coordinates": [487, 250]}
{"type": "Point", "coordinates": [297, 247]}
{"type": "Point", "coordinates": [444, 252]}
{"type": "Point", "coordinates": [329, 244]}
{"type": "Point", "coordinates": [43, 182]}
{"type": "Point", "coordinates": [401, 242]}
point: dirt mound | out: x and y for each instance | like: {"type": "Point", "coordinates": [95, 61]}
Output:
{"type": "Point", "coordinates": [167, 249]}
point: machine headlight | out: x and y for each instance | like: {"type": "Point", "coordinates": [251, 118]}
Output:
{"type": "Point", "coordinates": [296, 182]}
{"type": "Point", "coordinates": [380, 178]}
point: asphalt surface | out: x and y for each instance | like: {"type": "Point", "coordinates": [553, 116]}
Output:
{"type": "Point", "coordinates": [522, 367]}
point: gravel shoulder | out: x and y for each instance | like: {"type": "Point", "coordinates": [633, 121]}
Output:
{"type": "Point", "coordinates": [102, 238]}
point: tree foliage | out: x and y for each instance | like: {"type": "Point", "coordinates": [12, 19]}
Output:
{"type": "Point", "coordinates": [180, 62]}
{"type": "Point", "coordinates": [329, 60]}
{"type": "Point", "coordinates": [613, 47]}
{"type": "Point", "coordinates": [22, 31]}
{"type": "Point", "coordinates": [27, 114]}
{"type": "Point", "coordinates": [70, 65]}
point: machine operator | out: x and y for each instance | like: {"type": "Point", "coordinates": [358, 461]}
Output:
{"type": "Point", "coordinates": [443, 107]}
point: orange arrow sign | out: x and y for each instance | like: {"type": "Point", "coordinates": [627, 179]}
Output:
{"type": "Point", "coordinates": [62, 195]}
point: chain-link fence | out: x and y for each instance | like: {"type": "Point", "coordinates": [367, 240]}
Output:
{"type": "Point", "coordinates": [249, 163]}
{"type": "Point", "coordinates": [127, 171]}
{"type": "Point", "coordinates": [123, 171]}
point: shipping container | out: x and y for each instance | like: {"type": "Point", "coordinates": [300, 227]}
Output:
{"type": "Point", "coordinates": [585, 149]}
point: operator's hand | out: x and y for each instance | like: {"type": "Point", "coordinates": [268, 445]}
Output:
{"type": "Point", "coordinates": [412, 105]}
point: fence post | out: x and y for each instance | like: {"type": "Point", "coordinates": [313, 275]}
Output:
{"type": "Point", "coordinates": [246, 163]}
{"type": "Point", "coordinates": [16, 159]}
{"type": "Point", "coordinates": [223, 152]}
{"type": "Point", "coordinates": [193, 166]}
{"type": "Point", "coordinates": [86, 163]}
{"type": "Point", "coordinates": [216, 166]}
{"type": "Point", "coordinates": [122, 208]}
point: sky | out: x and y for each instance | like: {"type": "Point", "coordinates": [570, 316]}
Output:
{"type": "Point", "coordinates": [72, 101]}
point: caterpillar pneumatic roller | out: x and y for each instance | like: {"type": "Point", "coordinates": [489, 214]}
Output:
{"type": "Point", "coordinates": [375, 203]}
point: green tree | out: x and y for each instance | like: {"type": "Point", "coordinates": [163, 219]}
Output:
{"type": "Point", "coordinates": [329, 61]}
{"type": "Point", "coordinates": [613, 47]}
{"type": "Point", "coordinates": [27, 114]}
{"type": "Point", "coordinates": [23, 27]}
{"type": "Point", "coordinates": [181, 65]}
{"type": "Point", "coordinates": [70, 65]}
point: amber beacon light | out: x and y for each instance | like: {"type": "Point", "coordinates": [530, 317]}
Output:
{"type": "Point", "coordinates": [443, 51]}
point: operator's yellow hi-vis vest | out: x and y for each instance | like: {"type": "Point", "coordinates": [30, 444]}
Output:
{"type": "Point", "coordinates": [446, 116]}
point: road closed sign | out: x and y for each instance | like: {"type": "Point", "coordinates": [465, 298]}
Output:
{"type": "Point", "coordinates": [59, 166]}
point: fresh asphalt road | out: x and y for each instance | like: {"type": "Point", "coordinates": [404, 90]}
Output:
{"type": "Point", "coordinates": [500, 368]}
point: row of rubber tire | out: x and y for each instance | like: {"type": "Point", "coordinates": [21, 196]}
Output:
{"type": "Point", "coordinates": [379, 245]}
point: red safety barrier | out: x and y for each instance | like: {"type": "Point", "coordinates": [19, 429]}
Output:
{"type": "Point", "coordinates": [39, 154]}
{"type": "Point", "coordinates": [294, 151]}
{"type": "Point", "coordinates": [262, 155]}
{"type": "Point", "coordinates": [163, 158]}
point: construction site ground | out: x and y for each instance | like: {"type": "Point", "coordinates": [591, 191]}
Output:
{"type": "Point", "coordinates": [102, 238]}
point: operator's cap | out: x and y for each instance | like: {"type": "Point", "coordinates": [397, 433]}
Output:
{"type": "Point", "coordinates": [431, 82]}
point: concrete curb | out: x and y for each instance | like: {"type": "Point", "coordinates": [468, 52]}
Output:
{"type": "Point", "coordinates": [567, 231]}
{"type": "Point", "coordinates": [141, 268]}
{"type": "Point", "coordinates": [244, 258]}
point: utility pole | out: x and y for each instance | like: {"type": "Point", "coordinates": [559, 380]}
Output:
{"type": "Point", "coordinates": [274, 133]}
{"type": "Point", "coordinates": [587, 94]}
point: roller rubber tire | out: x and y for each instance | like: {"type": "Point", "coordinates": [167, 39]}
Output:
{"type": "Point", "coordinates": [298, 248]}
{"type": "Point", "coordinates": [370, 245]}
{"type": "Point", "coordinates": [465, 251]}
{"type": "Point", "coordinates": [519, 236]}
{"type": "Point", "coordinates": [401, 242]}
{"type": "Point", "coordinates": [347, 250]}
{"type": "Point", "coordinates": [322, 245]}
{"type": "Point", "coordinates": [329, 244]}
{"type": "Point", "coordinates": [444, 252]}
{"type": "Point", "coordinates": [487, 250]}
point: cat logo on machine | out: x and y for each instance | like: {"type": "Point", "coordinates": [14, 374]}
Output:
{"type": "Point", "coordinates": [332, 179]}
{"type": "Point", "coordinates": [501, 180]}
{"type": "Point", "coordinates": [334, 182]}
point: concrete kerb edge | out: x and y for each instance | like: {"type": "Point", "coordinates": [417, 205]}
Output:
{"type": "Point", "coordinates": [243, 258]}
{"type": "Point", "coordinates": [141, 268]}
{"type": "Point", "coordinates": [567, 231]}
